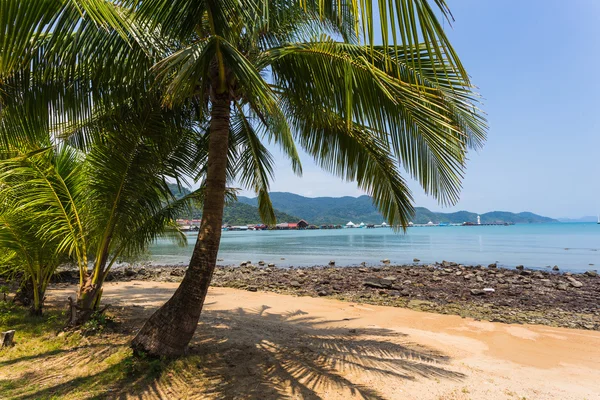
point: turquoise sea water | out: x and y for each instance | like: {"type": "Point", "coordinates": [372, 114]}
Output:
{"type": "Point", "coordinates": [571, 246]}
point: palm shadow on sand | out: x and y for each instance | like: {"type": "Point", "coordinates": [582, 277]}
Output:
{"type": "Point", "coordinates": [297, 355]}
{"type": "Point", "coordinates": [255, 354]}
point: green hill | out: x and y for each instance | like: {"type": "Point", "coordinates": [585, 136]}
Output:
{"type": "Point", "coordinates": [238, 213]}
{"type": "Point", "coordinates": [291, 207]}
{"type": "Point", "coordinates": [339, 210]}
{"type": "Point", "coordinates": [243, 214]}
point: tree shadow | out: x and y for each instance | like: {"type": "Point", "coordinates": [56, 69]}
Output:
{"type": "Point", "coordinates": [252, 353]}
{"type": "Point", "coordinates": [256, 354]}
{"type": "Point", "coordinates": [48, 354]}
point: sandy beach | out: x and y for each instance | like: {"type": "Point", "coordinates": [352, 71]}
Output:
{"type": "Point", "coordinates": [266, 345]}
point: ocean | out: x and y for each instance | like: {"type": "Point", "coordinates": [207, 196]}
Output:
{"type": "Point", "coordinates": [572, 246]}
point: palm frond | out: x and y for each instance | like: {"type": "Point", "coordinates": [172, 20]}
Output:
{"type": "Point", "coordinates": [356, 154]}
{"type": "Point", "coordinates": [255, 163]}
{"type": "Point", "coordinates": [429, 126]}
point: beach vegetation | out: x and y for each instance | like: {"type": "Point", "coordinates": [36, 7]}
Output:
{"type": "Point", "coordinates": [92, 203]}
{"type": "Point", "coordinates": [366, 103]}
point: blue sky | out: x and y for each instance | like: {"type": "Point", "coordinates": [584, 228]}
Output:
{"type": "Point", "coordinates": [535, 63]}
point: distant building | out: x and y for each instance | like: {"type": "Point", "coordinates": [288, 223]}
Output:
{"type": "Point", "coordinates": [302, 224]}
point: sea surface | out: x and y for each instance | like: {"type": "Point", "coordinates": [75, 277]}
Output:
{"type": "Point", "coordinates": [572, 246]}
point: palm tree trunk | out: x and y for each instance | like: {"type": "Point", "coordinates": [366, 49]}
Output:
{"type": "Point", "coordinates": [90, 291]}
{"type": "Point", "coordinates": [87, 301]}
{"type": "Point", "coordinates": [170, 329]}
{"type": "Point", "coordinates": [38, 300]}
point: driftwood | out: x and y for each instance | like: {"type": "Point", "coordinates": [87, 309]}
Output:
{"type": "Point", "coordinates": [6, 338]}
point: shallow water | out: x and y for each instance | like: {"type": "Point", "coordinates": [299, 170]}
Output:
{"type": "Point", "coordinates": [571, 246]}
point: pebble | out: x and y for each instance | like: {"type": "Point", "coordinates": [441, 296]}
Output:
{"type": "Point", "coordinates": [576, 284]}
{"type": "Point", "coordinates": [526, 272]}
{"type": "Point", "coordinates": [378, 283]}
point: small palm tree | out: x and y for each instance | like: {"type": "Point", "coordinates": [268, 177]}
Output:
{"type": "Point", "coordinates": [24, 254]}
{"type": "Point", "coordinates": [31, 244]}
{"type": "Point", "coordinates": [106, 200]}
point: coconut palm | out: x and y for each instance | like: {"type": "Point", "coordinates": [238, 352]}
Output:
{"type": "Point", "coordinates": [24, 255]}
{"type": "Point", "coordinates": [292, 73]}
{"type": "Point", "coordinates": [29, 243]}
{"type": "Point", "coordinates": [287, 72]}
{"type": "Point", "coordinates": [105, 200]}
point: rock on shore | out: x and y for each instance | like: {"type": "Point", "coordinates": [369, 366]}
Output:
{"type": "Point", "coordinates": [490, 293]}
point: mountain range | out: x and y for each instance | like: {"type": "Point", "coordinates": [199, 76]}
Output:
{"type": "Point", "coordinates": [340, 210]}
{"type": "Point", "coordinates": [291, 207]}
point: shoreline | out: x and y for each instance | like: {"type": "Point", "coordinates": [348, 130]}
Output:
{"type": "Point", "coordinates": [483, 293]}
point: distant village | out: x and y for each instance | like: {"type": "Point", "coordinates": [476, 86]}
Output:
{"type": "Point", "coordinates": [194, 225]}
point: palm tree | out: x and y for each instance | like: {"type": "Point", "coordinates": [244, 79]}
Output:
{"type": "Point", "coordinates": [30, 244]}
{"type": "Point", "coordinates": [108, 199]}
{"type": "Point", "coordinates": [289, 72]}
{"type": "Point", "coordinates": [25, 255]}
{"type": "Point", "coordinates": [297, 72]}
{"type": "Point", "coordinates": [133, 155]}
